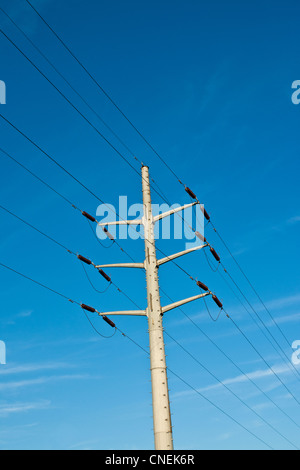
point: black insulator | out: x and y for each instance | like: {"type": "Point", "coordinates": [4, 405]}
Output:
{"type": "Point", "coordinates": [215, 254]}
{"type": "Point", "coordinates": [89, 309]}
{"type": "Point", "coordinates": [201, 237]}
{"type": "Point", "coordinates": [218, 302]}
{"type": "Point", "coordinates": [89, 217]}
{"type": "Point", "coordinates": [111, 323]}
{"type": "Point", "coordinates": [202, 286]}
{"type": "Point", "coordinates": [206, 214]}
{"type": "Point", "coordinates": [84, 260]}
{"type": "Point", "coordinates": [105, 275]}
{"type": "Point", "coordinates": [190, 193]}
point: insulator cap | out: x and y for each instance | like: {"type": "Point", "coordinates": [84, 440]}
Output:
{"type": "Point", "coordinates": [202, 286]}
{"type": "Point", "coordinates": [201, 237]}
{"type": "Point", "coordinates": [89, 217]}
{"type": "Point", "coordinates": [108, 279]}
{"type": "Point", "coordinates": [109, 235]}
{"type": "Point", "coordinates": [215, 254]}
{"type": "Point", "coordinates": [84, 260]}
{"type": "Point", "coordinates": [89, 309]}
{"type": "Point", "coordinates": [218, 302]}
{"type": "Point", "coordinates": [111, 323]}
{"type": "Point", "coordinates": [190, 193]}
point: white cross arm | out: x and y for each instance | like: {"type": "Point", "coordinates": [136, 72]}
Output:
{"type": "Point", "coordinates": [174, 211]}
{"type": "Point", "coordinates": [122, 265]}
{"type": "Point", "coordinates": [183, 302]}
{"type": "Point", "coordinates": [181, 253]}
{"type": "Point", "coordinates": [137, 313]}
{"type": "Point", "coordinates": [121, 222]}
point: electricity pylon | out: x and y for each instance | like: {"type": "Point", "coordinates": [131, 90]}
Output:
{"type": "Point", "coordinates": [163, 434]}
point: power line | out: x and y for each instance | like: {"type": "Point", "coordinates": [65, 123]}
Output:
{"type": "Point", "coordinates": [70, 85]}
{"type": "Point", "coordinates": [264, 360]}
{"type": "Point", "coordinates": [37, 230]}
{"type": "Point", "coordinates": [232, 361]}
{"type": "Point", "coordinates": [99, 86]}
{"type": "Point", "coordinates": [70, 103]}
{"type": "Point", "coordinates": [54, 190]}
{"type": "Point", "coordinates": [220, 409]}
{"type": "Point", "coordinates": [150, 146]}
{"type": "Point", "coordinates": [70, 252]}
{"type": "Point", "coordinates": [134, 342]}
{"type": "Point", "coordinates": [175, 175]}
{"type": "Point", "coordinates": [230, 391]}
{"type": "Point", "coordinates": [252, 286]}
{"type": "Point", "coordinates": [60, 166]}
{"type": "Point", "coordinates": [47, 155]}
{"type": "Point", "coordinates": [159, 192]}
{"type": "Point", "coordinates": [39, 284]}
{"type": "Point", "coordinates": [52, 159]}
{"type": "Point", "coordinates": [282, 352]}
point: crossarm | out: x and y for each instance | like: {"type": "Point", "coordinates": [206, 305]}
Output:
{"type": "Point", "coordinates": [183, 302]}
{"type": "Point", "coordinates": [121, 222]}
{"type": "Point", "coordinates": [138, 313]}
{"type": "Point", "coordinates": [178, 255]}
{"type": "Point", "coordinates": [122, 265]}
{"type": "Point", "coordinates": [174, 211]}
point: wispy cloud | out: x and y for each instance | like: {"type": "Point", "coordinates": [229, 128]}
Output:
{"type": "Point", "coordinates": [294, 220]}
{"type": "Point", "coordinates": [25, 314]}
{"type": "Point", "coordinates": [240, 379]}
{"type": "Point", "coordinates": [16, 408]}
{"type": "Point", "coordinates": [28, 368]}
{"type": "Point", "coordinates": [41, 381]}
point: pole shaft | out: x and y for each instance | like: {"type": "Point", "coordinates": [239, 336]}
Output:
{"type": "Point", "coordinates": [160, 393]}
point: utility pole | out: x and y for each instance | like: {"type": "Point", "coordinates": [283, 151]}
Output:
{"type": "Point", "coordinates": [160, 393]}
{"type": "Point", "coordinates": [163, 435]}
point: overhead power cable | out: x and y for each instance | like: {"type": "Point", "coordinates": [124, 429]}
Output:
{"type": "Point", "coordinates": [74, 178]}
{"type": "Point", "coordinates": [264, 360]}
{"type": "Point", "coordinates": [219, 408]}
{"type": "Point", "coordinates": [100, 87]}
{"type": "Point", "coordinates": [242, 372]}
{"type": "Point", "coordinates": [112, 146]}
{"type": "Point", "coordinates": [86, 308]}
{"type": "Point", "coordinates": [96, 82]}
{"type": "Point", "coordinates": [79, 257]}
{"type": "Point", "coordinates": [159, 192]}
{"type": "Point", "coordinates": [223, 384]}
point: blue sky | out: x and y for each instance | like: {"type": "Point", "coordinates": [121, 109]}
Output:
{"type": "Point", "coordinates": [210, 85]}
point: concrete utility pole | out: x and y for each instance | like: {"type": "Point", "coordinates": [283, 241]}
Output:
{"type": "Point", "coordinates": [163, 435]}
{"type": "Point", "coordinates": [160, 392]}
